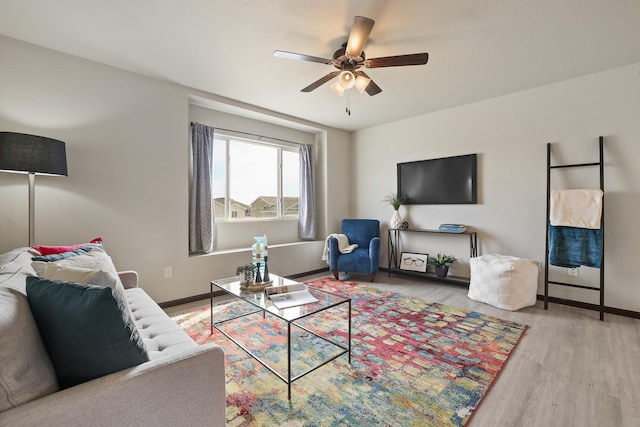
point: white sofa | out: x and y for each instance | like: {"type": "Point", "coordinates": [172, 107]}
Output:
{"type": "Point", "coordinates": [183, 383]}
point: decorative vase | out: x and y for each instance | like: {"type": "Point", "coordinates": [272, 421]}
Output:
{"type": "Point", "coordinates": [442, 271]}
{"type": "Point", "coordinates": [396, 220]}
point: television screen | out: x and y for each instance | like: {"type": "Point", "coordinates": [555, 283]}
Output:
{"type": "Point", "coordinates": [450, 180]}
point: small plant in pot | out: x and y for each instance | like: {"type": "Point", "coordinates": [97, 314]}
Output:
{"type": "Point", "coordinates": [441, 264]}
{"type": "Point", "coordinates": [246, 273]}
{"type": "Point", "coordinates": [395, 201]}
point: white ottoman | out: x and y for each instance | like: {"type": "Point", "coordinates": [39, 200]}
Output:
{"type": "Point", "coordinates": [503, 281]}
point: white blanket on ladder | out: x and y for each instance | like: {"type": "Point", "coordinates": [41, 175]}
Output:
{"type": "Point", "coordinates": [343, 245]}
{"type": "Point", "coordinates": [576, 208]}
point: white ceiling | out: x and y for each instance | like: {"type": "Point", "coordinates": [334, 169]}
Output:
{"type": "Point", "coordinates": [478, 49]}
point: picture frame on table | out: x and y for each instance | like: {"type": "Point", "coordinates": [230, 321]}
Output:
{"type": "Point", "coordinates": [412, 261]}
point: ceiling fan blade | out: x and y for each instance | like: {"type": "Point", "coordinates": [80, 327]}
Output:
{"type": "Point", "coordinates": [301, 57]}
{"type": "Point", "coordinates": [320, 81]}
{"type": "Point", "coordinates": [372, 88]}
{"type": "Point", "coordinates": [358, 36]}
{"type": "Point", "coordinates": [397, 61]}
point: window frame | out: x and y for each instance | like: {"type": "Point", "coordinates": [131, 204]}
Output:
{"type": "Point", "coordinates": [280, 147]}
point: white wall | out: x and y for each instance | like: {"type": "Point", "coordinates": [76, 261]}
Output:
{"type": "Point", "coordinates": [127, 151]}
{"type": "Point", "coordinates": [510, 134]}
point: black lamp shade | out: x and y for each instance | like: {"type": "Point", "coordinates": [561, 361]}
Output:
{"type": "Point", "coordinates": [20, 152]}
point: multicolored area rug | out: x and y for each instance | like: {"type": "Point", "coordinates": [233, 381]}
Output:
{"type": "Point", "coordinates": [414, 363]}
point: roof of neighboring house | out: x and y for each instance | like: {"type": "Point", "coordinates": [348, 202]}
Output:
{"type": "Point", "coordinates": [220, 200]}
{"type": "Point", "coordinates": [271, 200]}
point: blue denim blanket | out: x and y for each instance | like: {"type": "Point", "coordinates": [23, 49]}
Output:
{"type": "Point", "coordinates": [572, 247]}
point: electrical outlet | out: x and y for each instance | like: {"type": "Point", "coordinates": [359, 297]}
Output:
{"type": "Point", "coordinates": [168, 272]}
{"type": "Point", "coordinates": [572, 272]}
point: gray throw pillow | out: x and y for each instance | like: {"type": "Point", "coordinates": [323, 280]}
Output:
{"type": "Point", "coordinates": [26, 372]}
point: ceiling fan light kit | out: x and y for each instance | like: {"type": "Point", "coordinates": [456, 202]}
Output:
{"type": "Point", "coordinates": [362, 82]}
{"type": "Point", "coordinates": [351, 57]}
{"type": "Point", "coordinates": [358, 37]}
{"type": "Point", "coordinates": [337, 89]}
{"type": "Point", "coordinates": [347, 79]}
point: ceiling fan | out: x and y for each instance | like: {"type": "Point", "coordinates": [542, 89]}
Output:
{"type": "Point", "coordinates": [351, 57]}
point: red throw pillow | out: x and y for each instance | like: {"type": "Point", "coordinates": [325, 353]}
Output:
{"type": "Point", "coordinates": [51, 250]}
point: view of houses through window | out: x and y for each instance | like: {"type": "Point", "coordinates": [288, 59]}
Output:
{"type": "Point", "coordinates": [254, 179]}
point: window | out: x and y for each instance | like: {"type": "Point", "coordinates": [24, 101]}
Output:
{"type": "Point", "coordinates": [254, 179]}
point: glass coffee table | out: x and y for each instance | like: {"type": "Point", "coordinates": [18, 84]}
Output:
{"type": "Point", "coordinates": [258, 303]}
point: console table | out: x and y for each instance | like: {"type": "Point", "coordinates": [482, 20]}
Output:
{"type": "Point", "coordinates": [394, 248]}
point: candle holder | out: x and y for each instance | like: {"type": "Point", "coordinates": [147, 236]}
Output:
{"type": "Point", "coordinates": [258, 276]}
{"type": "Point", "coordinates": [265, 277]}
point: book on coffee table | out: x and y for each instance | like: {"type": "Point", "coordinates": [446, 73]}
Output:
{"type": "Point", "coordinates": [290, 295]}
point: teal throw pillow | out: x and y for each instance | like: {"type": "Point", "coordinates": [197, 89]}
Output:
{"type": "Point", "coordinates": [86, 329]}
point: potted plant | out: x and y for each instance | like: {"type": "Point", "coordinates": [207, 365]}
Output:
{"type": "Point", "coordinates": [441, 263]}
{"type": "Point", "coordinates": [246, 273]}
{"type": "Point", "coordinates": [395, 201]}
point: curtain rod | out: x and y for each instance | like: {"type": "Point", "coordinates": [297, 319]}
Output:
{"type": "Point", "coordinates": [252, 134]}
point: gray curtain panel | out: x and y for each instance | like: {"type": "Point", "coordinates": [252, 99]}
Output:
{"type": "Point", "coordinates": [202, 227]}
{"type": "Point", "coordinates": [307, 206]}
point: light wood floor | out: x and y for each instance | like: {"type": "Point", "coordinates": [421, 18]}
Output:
{"type": "Point", "coordinates": [570, 369]}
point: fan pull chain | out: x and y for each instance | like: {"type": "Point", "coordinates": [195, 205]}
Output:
{"type": "Point", "coordinates": [348, 107]}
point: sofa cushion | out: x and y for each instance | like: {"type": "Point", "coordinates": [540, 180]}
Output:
{"type": "Point", "coordinates": [26, 372]}
{"type": "Point", "coordinates": [105, 278]}
{"type": "Point", "coordinates": [50, 250]}
{"type": "Point", "coordinates": [95, 259]}
{"type": "Point", "coordinates": [86, 330]}
{"type": "Point", "coordinates": [70, 254]}
{"type": "Point", "coordinates": [8, 258]}
{"type": "Point", "coordinates": [161, 335]}
{"type": "Point", "coordinates": [14, 266]}
{"type": "Point", "coordinates": [92, 257]}
{"type": "Point", "coordinates": [99, 271]}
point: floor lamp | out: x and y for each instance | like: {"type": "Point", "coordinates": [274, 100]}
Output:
{"type": "Point", "coordinates": [32, 155]}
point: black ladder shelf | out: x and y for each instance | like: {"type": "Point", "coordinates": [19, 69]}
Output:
{"type": "Point", "coordinates": [547, 282]}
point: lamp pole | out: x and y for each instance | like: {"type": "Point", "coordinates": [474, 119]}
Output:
{"type": "Point", "coordinates": [32, 208]}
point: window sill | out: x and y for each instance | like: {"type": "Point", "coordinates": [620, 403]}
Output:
{"type": "Point", "coordinates": [240, 250]}
{"type": "Point", "coordinates": [251, 219]}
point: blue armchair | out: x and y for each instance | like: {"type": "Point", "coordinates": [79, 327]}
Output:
{"type": "Point", "coordinates": [366, 258]}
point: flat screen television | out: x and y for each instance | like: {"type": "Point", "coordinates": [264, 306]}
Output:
{"type": "Point", "coordinates": [445, 181]}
